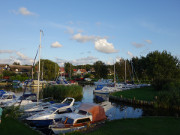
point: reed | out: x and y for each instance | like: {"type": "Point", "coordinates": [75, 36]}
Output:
{"type": "Point", "coordinates": [59, 92]}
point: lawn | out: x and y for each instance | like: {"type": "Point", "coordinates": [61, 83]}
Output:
{"type": "Point", "coordinates": [141, 126]}
{"type": "Point", "coordinates": [10, 126]}
{"type": "Point", "coordinates": [145, 93]}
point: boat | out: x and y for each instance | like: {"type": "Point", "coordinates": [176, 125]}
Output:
{"type": "Point", "coordinates": [86, 115]}
{"type": "Point", "coordinates": [2, 92]}
{"type": "Point", "coordinates": [27, 99]}
{"type": "Point", "coordinates": [35, 83]}
{"type": "Point", "coordinates": [54, 112]}
{"type": "Point", "coordinates": [7, 97]}
{"type": "Point", "coordinates": [104, 82]}
{"type": "Point", "coordinates": [16, 82]}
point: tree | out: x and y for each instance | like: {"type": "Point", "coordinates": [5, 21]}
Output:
{"type": "Point", "coordinates": [101, 70]}
{"type": "Point", "coordinates": [49, 69]}
{"type": "Point", "coordinates": [16, 63]}
{"type": "Point", "coordinates": [162, 68]}
{"type": "Point", "coordinates": [68, 68]}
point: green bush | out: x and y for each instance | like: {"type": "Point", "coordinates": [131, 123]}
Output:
{"type": "Point", "coordinates": [59, 92]}
{"type": "Point", "coordinates": [169, 99]}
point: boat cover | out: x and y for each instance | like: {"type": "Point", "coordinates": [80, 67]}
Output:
{"type": "Point", "coordinates": [97, 112]}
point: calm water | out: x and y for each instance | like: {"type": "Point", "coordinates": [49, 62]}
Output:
{"type": "Point", "coordinates": [114, 110]}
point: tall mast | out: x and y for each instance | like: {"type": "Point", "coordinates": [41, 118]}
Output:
{"type": "Point", "coordinates": [125, 73]}
{"type": "Point", "coordinates": [39, 65]}
{"type": "Point", "coordinates": [114, 73]}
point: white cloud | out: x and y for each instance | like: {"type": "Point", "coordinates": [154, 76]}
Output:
{"type": "Point", "coordinates": [22, 59]}
{"type": "Point", "coordinates": [80, 61]}
{"type": "Point", "coordinates": [130, 54]}
{"type": "Point", "coordinates": [148, 41]}
{"type": "Point", "coordinates": [138, 45]}
{"type": "Point", "coordinates": [56, 45]}
{"type": "Point", "coordinates": [84, 38]}
{"type": "Point", "coordinates": [103, 46]}
{"type": "Point", "coordinates": [25, 11]}
{"type": "Point", "coordinates": [7, 51]}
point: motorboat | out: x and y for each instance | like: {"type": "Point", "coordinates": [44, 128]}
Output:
{"type": "Point", "coordinates": [54, 112]}
{"type": "Point", "coordinates": [7, 97]}
{"type": "Point", "coordinates": [86, 115]}
{"type": "Point", "coordinates": [104, 90]}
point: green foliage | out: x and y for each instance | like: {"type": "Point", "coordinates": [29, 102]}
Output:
{"type": "Point", "coordinates": [19, 77]}
{"type": "Point", "coordinates": [8, 73]}
{"type": "Point", "coordinates": [169, 99]}
{"type": "Point", "coordinates": [12, 112]}
{"type": "Point", "coordinates": [49, 68]}
{"type": "Point", "coordinates": [59, 92]}
{"type": "Point", "coordinates": [68, 68]}
{"type": "Point", "coordinates": [101, 70]}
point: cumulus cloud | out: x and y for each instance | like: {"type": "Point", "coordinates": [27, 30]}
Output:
{"type": "Point", "coordinates": [80, 61]}
{"type": "Point", "coordinates": [137, 45]}
{"type": "Point", "coordinates": [22, 59]}
{"type": "Point", "coordinates": [148, 41]}
{"type": "Point", "coordinates": [84, 38]}
{"type": "Point", "coordinates": [7, 51]}
{"type": "Point", "coordinates": [23, 11]}
{"type": "Point", "coordinates": [103, 46]}
{"type": "Point", "coordinates": [56, 45]}
{"type": "Point", "coordinates": [130, 54]}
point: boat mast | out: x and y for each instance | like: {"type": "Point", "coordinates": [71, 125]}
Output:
{"type": "Point", "coordinates": [114, 74]}
{"type": "Point", "coordinates": [125, 73]}
{"type": "Point", "coordinates": [39, 65]}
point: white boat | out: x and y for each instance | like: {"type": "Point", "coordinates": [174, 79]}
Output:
{"type": "Point", "coordinates": [54, 112]}
{"type": "Point", "coordinates": [85, 116]}
{"type": "Point", "coordinates": [7, 97]}
{"type": "Point", "coordinates": [104, 90]}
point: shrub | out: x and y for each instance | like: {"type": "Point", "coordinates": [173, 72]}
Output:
{"type": "Point", "coordinates": [59, 92]}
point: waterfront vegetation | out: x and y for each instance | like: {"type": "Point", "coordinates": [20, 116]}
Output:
{"type": "Point", "coordinates": [141, 126]}
{"type": "Point", "coordinates": [162, 99]}
{"type": "Point", "coordinates": [145, 93]}
{"type": "Point", "coordinates": [59, 92]}
{"type": "Point", "coordinates": [10, 125]}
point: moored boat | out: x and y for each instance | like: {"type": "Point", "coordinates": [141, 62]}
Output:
{"type": "Point", "coordinates": [54, 112]}
{"type": "Point", "coordinates": [86, 115]}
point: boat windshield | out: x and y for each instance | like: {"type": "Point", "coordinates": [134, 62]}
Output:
{"type": "Point", "coordinates": [7, 96]}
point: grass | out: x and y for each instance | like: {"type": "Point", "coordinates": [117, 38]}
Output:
{"type": "Point", "coordinates": [10, 126]}
{"type": "Point", "coordinates": [146, 93]}
{"type": "Point", "coordinates": [142, 126]}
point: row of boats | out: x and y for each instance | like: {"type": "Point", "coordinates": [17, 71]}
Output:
{"type": "Point", "coordinates": [59, 117]}
{"type": "Point", "coordinates": [106, 86]}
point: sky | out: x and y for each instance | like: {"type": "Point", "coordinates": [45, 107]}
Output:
{"type": "Point", "coordinates": [85, 31]}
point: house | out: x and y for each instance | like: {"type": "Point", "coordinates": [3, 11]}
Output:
{"type": "Point", "coordinates": [19, 69]}
{"type": "Point", "coordinates": [62, 71]}
{"type": "Point", "coordinates": [80, 72]}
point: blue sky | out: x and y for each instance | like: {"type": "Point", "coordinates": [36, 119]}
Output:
{"type": "Point", "coordinates": [84, 31]}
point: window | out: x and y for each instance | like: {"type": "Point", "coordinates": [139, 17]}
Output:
{"type": "Point", "coordinates": [83, 120]}
{"type": "Point", "coordinates": [82, 112]}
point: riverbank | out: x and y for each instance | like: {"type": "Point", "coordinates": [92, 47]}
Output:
{"type": "Point", "coordinates": [10, 126]}
{"type": "Point", "coordinates": [149, 96]}
{"type": "Point", "coordinates": [141, 126]}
